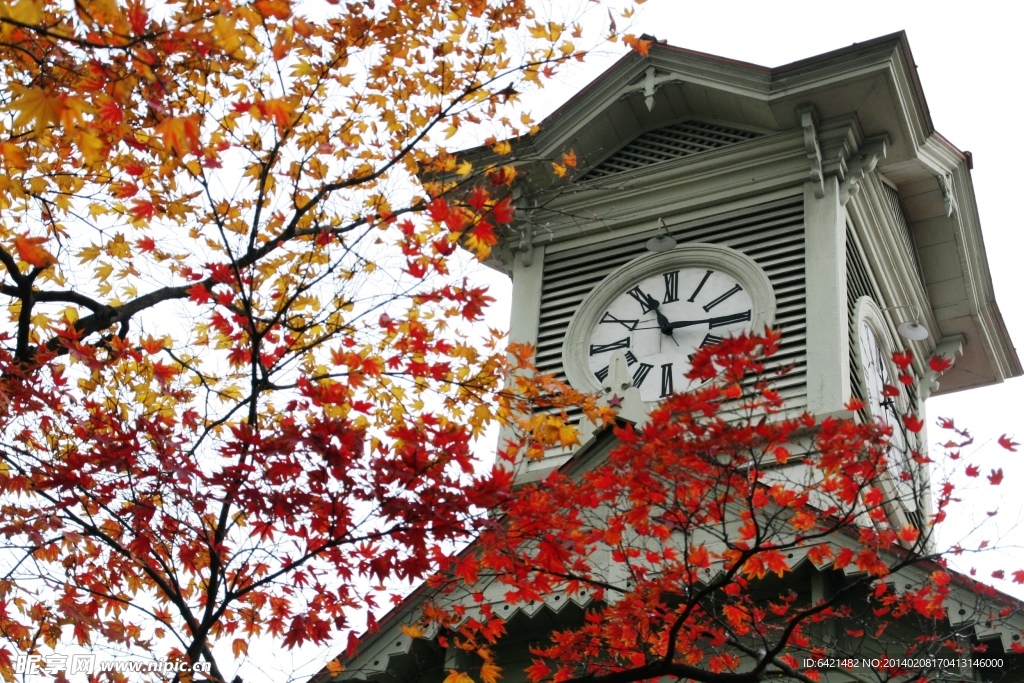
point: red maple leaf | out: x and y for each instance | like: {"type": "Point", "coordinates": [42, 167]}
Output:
{"type": "Point", "coordinates": [1007, 443]}
{"type": "Point", "coordinates": [199, 294]}
{"type": "Point", "coordinates": [913, 423]}
{"type": "Point", "coordinates": [142, 210]}
{"type": "Point", "coordinates": [504, 211]}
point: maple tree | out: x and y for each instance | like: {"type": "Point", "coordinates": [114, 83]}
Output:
{"type": "Point", "coordinates": [727, 540]}
{"type": "Point", "coordinates": [235, 392]}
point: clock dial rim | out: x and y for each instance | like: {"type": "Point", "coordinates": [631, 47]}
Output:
{"type": "Point", "coordinates": [743, 269]}
{"type": "Point", "coordinates": [868, 313]}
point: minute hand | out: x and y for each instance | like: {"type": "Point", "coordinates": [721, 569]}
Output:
{"type": "Point", "coordinates": [713, 322]}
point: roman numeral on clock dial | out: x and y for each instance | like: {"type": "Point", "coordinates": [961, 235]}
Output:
{"type": "Point", "coordinates": [604, 348]}
{"type": "Point", "coordinates": [666, 379]}
{"type": "Point", "coordinates": [641, 374]}
{"type": "Point", "coordinates": [671, 287]}
{"type": "Point", "coordinates": [608, 319]}
{"type": "Point", "coordinates": [642, 298]}
{"type": "Point", "coordinates": [700, 285]}
{"type": "Point", "coordinates": [709, 340]}
{"type": "Point", "coordinates": [711, 304]}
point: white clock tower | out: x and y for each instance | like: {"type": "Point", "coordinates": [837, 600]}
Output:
{"type": "Point", "coordinates": [712, 197]}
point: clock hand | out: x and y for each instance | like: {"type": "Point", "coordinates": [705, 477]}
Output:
{"type": "Point", "coordinates": [663, 323]}
{"type": "Point", "coordinates": [713, 322]}
{"type": "Point", "coordinates": [688, 323]}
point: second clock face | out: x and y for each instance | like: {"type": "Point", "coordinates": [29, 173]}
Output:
{"type": "Point", "coordinates": [661, 320]}
{"type": "Point", "coordinates": [882, 407]}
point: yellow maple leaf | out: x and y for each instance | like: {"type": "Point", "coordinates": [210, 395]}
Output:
{"type": "Point", "coordinates": [93, 149]}
{"type": "Point", "coordinates": [228, 37]}
{"type": "Point", "coordinates": [568, 436]}
{"type": "Point", "coordinates": [457, 677]}
{"type": "Point", "coordinates": [35, 107]}
{"type": "Point", "coordinates": [28, 12]}
{"type": "Point", "coordinates": [412, 630]}
{"type": "Point", "coordinates": [97, 12]}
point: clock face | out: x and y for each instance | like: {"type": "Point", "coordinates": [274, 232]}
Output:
{"type": "Point", "coordinates": [659, 321]}
{"type": "Point", "coordinates": [875, 366]}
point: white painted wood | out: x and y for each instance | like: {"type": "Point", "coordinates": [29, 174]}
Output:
{"type": "Point", "coordinates": [828, 345]}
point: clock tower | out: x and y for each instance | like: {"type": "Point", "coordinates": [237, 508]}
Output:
{"type": "Point", "coordinates": [712, 197]}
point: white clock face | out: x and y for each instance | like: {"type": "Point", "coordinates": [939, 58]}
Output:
{"type": "Point", "coordinates": [875, 366]}
{"type": "Point", "coordinates": [661, 320]}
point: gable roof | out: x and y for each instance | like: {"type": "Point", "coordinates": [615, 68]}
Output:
{"type": "Point", "coordinates": [871, 88]}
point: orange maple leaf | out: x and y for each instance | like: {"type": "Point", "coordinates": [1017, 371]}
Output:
{"type": "Point", "coordinates": [31, 251]}
{"type": "Point", "coordinates": [180, 133]}
{"type": "Point", "coordinates": [13, 156]}
{"type": "Point", "coordinates": [640, 45]}
{"type": "Point", "coordinates": [277, 110]}
{"type": "Point", "coordinates": [279, 9]}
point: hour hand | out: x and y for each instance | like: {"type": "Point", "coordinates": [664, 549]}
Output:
{"type": "Point", "coordinates": [663, 322]}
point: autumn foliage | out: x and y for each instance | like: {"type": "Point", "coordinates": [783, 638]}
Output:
{"type": "Point", "coordinates": [240, 396]}
{"type": "Point", "coordinates": [237, 396]}
{"type": "Point", "coordinates": [726, 540]}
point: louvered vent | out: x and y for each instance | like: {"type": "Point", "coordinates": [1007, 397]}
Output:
{"type": "Point", "coordinates": [671, 142]}
{"type": "Point", "coordinates": [772, 234]}
{"type": "Point", "coordinates": [892, 198]}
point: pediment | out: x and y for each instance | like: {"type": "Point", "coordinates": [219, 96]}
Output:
{"type": "Point", "coordinates": [875, 80]}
